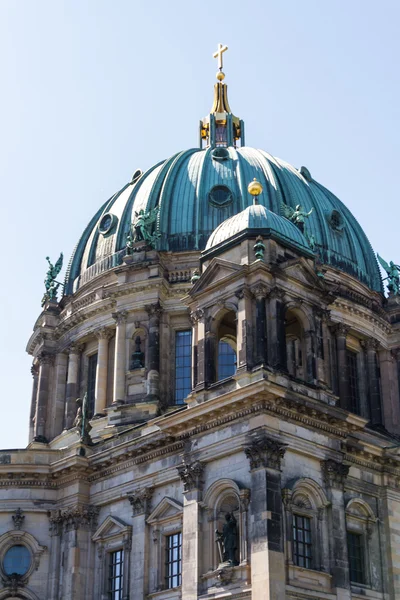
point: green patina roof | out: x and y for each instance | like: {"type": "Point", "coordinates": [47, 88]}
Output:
{"type": "Point", "coordinates": [181, 185]}
{"type": "Point", "coordinates": [261, 221]}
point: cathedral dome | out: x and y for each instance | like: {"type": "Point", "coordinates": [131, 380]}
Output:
{"type": "Point", "coordinates": [197, 189]}
{"type": "Point", "coordinates": [194, 191]}
{"type": "Point", "coordinates": [258, 220]}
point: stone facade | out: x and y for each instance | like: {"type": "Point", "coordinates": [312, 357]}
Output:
{"type": "Point", "coordinates": [295, 436]}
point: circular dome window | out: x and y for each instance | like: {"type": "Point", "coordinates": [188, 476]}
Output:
{"type": "Point", "coordinates": [136, 176]}
{"type": "Point", "coordinates": [17, 560]}
{"type": "Point", "coordinates": [107, 222]}
{"type": "Point", "coordinates": [336, 220]}
{"type": "Point", "coordinates": [220, 196]}
{"type": "Point", "coordinates": [220, 154]}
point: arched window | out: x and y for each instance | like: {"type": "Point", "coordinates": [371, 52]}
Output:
{"type": "Point", "coordinates": [295, 351]}
{"type": "Point", "coordinates": [306, 531]}
{"type": "Point", "coordinates": [226, 350]}
{"type": "Point", "coordinates": [362, 541]}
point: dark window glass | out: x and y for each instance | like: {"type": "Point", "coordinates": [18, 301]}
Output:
{"type": "Point", "coordinates": [115, 575]}
{"type": "Point", "coordinates": [183, 365]}
{"type": "Point", "coordinates": [91, 383]}
{"type": "Point", "coordinates": [302, 541]}
{"type": "Point", "coordinates": [352, 370]}
{"type": "Point", "coordinates": [17, 560]}
{"type": "Point", "coordinates": [173, 560]}
{"type": "Point", "coordinates": [220, 196]}
{"type": "Point", "coordinates": [226, 360]}
{"type": "Point", "coordinates": [220, 135]}
{"type": "Point", "coordinates": [356, 559]}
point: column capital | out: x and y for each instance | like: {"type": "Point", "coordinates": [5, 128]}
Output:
{"type": "Point", "coordinates": [370, 344]}
{"type": "Point", "coordinates": [153, 310]}
{"type": "Point", "coordinates": [395, 352]}
{"type": "Point", "coordinates": [260, 291]}
{"type": "Point", "coordinates": [263, 451]}
{"type": "Point", "coordinates": [340, 329]}
{"type": "Point", "coordinates": [140, 501]}
{"type": "Point", "coordinates": [75, 348]}
{"type": "Point", "coordinates": [74, 517]}
{"type": "Point", "coordinates": [120, 317]}
{"type": "Point", "coordinates": [276, 293]}
{"type": "Point", "coordinates": [196, 316]}
{"type": "Point", "coordinates": [334, 473]}
{"type": "Point", "coordinates": [323, 314]}
{"type": "Point", "coordinates": [243, 293]}
{"type": "Point", "coordinates": [34, 371]}
{"type": "Point", "coordinates": [104, 333]}
{"type": "Point", "coordinates": [191, 475]}
{"type": "Point", "coordinates": [46, 358]}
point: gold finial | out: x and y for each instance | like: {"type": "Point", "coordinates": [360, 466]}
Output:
{"type": "Point", "coordinates": [255, 188]}
{"type": "Point", "coordinates": [218, 54]}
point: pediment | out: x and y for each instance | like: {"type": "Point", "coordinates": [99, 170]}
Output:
{"type": "Point", "coordinates": [302, 272]}
{"type": "Point", "coordinates": [217, 271]}
{"type": "Point", "coordinates": [166, 509]}
{"type": "Point", "coordinates": [111, 526]}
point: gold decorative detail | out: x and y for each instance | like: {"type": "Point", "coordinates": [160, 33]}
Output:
{"type": "Point", "coordinates": [255, 188]}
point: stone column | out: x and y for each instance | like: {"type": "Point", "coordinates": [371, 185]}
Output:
{"type": "Point", "coordinates": [266, 530]}
{"type": "Point", "coordinates": [139, 568]}
{"type": "Point", "coordinates": [260, 292]}
{"type": "Point", "coordinates": [72, 392]}
{"type": "Point", "coordinates": [60, 379]}
{"type": "Point", "coordinates": [324, 370]}
{"type": "Point", "coordinates": [373, 382]}
{"type": "Point", "coordinates": [276, 330]}
{"type": "Point", "coordinates": [53, 581]}
{"type": "Point", "coordinates": [210, 351]}
{"type": "Point", "coordinates": [120, 356]}
{"type": "Point", "coordinates": [334, 474]}
{"type": "Point", "coordinates": [389, 364]}
{"type": "Point", "coordinates": [310, 339]}
{"type": "Point", "coordinates": [340, 330]}
{"type": "Point", "coordinates": [192, 478]}
{"type": "Point", "coordinates": [197, 321]}
{"type": "Point", "coordinates": [244, 329]}
{"type": "Point", "coordinates": [100, 394]}
{"type": "Point", "coordinates": [153, 377]}
{"type": "Point", "coordinates": [35, 375]}
{"type": "Point", "coordinates": [46, 360]}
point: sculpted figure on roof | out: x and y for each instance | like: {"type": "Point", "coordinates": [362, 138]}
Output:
{"type": "Point", "coordinates": [50, 282]}
{"type": "Point", "coordinates": [143, 226]}
{"type": "Point", "coordinates": [393, 275]}
{"type": "Point", "coordinates": [297, 216]}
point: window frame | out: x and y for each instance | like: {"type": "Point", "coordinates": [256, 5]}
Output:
{"type": "Point", "coordinates": [295, 542]}
{"type": "Point", "coordinates": [360, 536]}
{"type": "Point", "coordinates": [186, 330]}
{"type": "Point", "coordinates": [361, 520]}
{"type": "Point", "coordinates": [121, 577]}
{"type": "Point", "coordinates": [167, 562]}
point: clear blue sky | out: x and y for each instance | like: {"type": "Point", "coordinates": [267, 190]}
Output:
{"type": "Point", "coordinates": [93, 89]}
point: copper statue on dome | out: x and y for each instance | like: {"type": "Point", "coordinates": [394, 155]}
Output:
{"type": "Point", "coordinates": [298, 216]}
{"type": "Point", "coordinates": [50, 282]}
{"type": "Point", "coordinates": [393, 276]}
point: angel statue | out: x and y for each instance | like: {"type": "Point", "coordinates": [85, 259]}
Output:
{"type": "Point", "coordinates": [393, 276]}
{"type": "Point", "coordinates": [50, 282]}
{"type": "Point", "coordinates": [297, 216]}
{"type": "Point", "coordinates": [143, 224]}
{"type": "Point", "coordinates": [81, 422]}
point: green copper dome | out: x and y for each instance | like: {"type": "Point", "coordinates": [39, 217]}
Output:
{"type": "Point", "coordinates": [196, 190]}
{"type": "Point", "coordinates": [258, 220]}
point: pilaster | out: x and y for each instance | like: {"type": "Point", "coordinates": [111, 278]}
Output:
{"type": "Point", "coordinates": [74, 356]}
{"type": "Point", "coordinates": [154, 312]}
{"type": "Point", "coordinates": [120, 356]}
{"type": "Point", "coordinates": [276, 329]}
{"type": "Point", "coordinates": [100, 395]}
{"type": "Point", "coordinates": [260, 292]}
{"type": "Point", "coordinates": [46, 361]}
{"type": "Point", "coordinates": [371, 347]}
{"type": "Point", "coordinates": [140, 501]}
{"type": "Point", "coordinates": [340, 331]}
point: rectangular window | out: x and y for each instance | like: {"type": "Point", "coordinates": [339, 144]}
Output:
{"type": "Point", "coordinates": [352, 371]}
{"type": "Point", "coordinates": [115, 575]}
{"type": "Point", "coordinates": [356, 559]}
{"type": "Point", "coordinates": [183, 365]}
{"type": "Point", "coordinates": [91, 382]}
{"type": "Point", "coordinates": [173, 561]}
{"type": "Point", "coordinates": [302, 541]}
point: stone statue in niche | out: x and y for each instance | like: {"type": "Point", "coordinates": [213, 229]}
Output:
{"type": "Point", "coordinates": [137, 358]}
{"type": "Point", "coordinates": [227, 541]}
{"type": "Point", "coordinates": [81, 422]}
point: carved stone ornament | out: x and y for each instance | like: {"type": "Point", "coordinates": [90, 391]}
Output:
{"type": "Point", "coordinates": [191, 475]}
{"type": "Point", "coordinates": [77, 517]}
{"type": "Point", "coordinates": [18, 519]}
{"type": "Point", "coordinates": [334, 473]}
{"type": "Point", "coordinates": [46, 358]}
{"type": "Point", "coordinates": [13, 582]}
{"type": "Point", "coordinates": [263, 451]}
{"type": "Point", "coordinates": [196, 315]}
{"type": "Point", "coordinates": [141, 501]}
{"type": "Point", "coordinates": [120, 317]}
{"type": "Point", "coordinates": [370, 344]}
{"type": "Point", "coordinates": [76, 348]}
{"type": "Point", "coordinates": [277, 293]}
{"type": "Point", "coordinates": [340, 329]}
{"type": "Point", "coordinates": [154, 310]}
{"type": "Point", "coordinates": [259, 291]}
{"type": "Point", "coordinates": [104, 333]}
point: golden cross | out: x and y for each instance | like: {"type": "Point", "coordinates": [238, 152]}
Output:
{"type": "Point", "coordinates": [218, 54]}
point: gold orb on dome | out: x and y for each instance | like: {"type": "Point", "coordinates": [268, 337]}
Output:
{"type": "Point", "coordinates": [255, 188]}
{"type": "Point", "coordinates": [220, 76]}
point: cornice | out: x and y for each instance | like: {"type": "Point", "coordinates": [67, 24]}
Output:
{"type": "Point", "coordinates": [365, 313]}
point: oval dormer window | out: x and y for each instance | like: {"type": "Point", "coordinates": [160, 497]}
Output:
{"type": "Point", "coordinates": [220, 153]}
{"type": "Point", "coordinates": [220, 196]}
{"type": "Point", "coordinates": [136, 176]}
{"type": "Point", "coordinates": [107, 223]}
{"type": "Point", "coordinates": [336, 220]}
